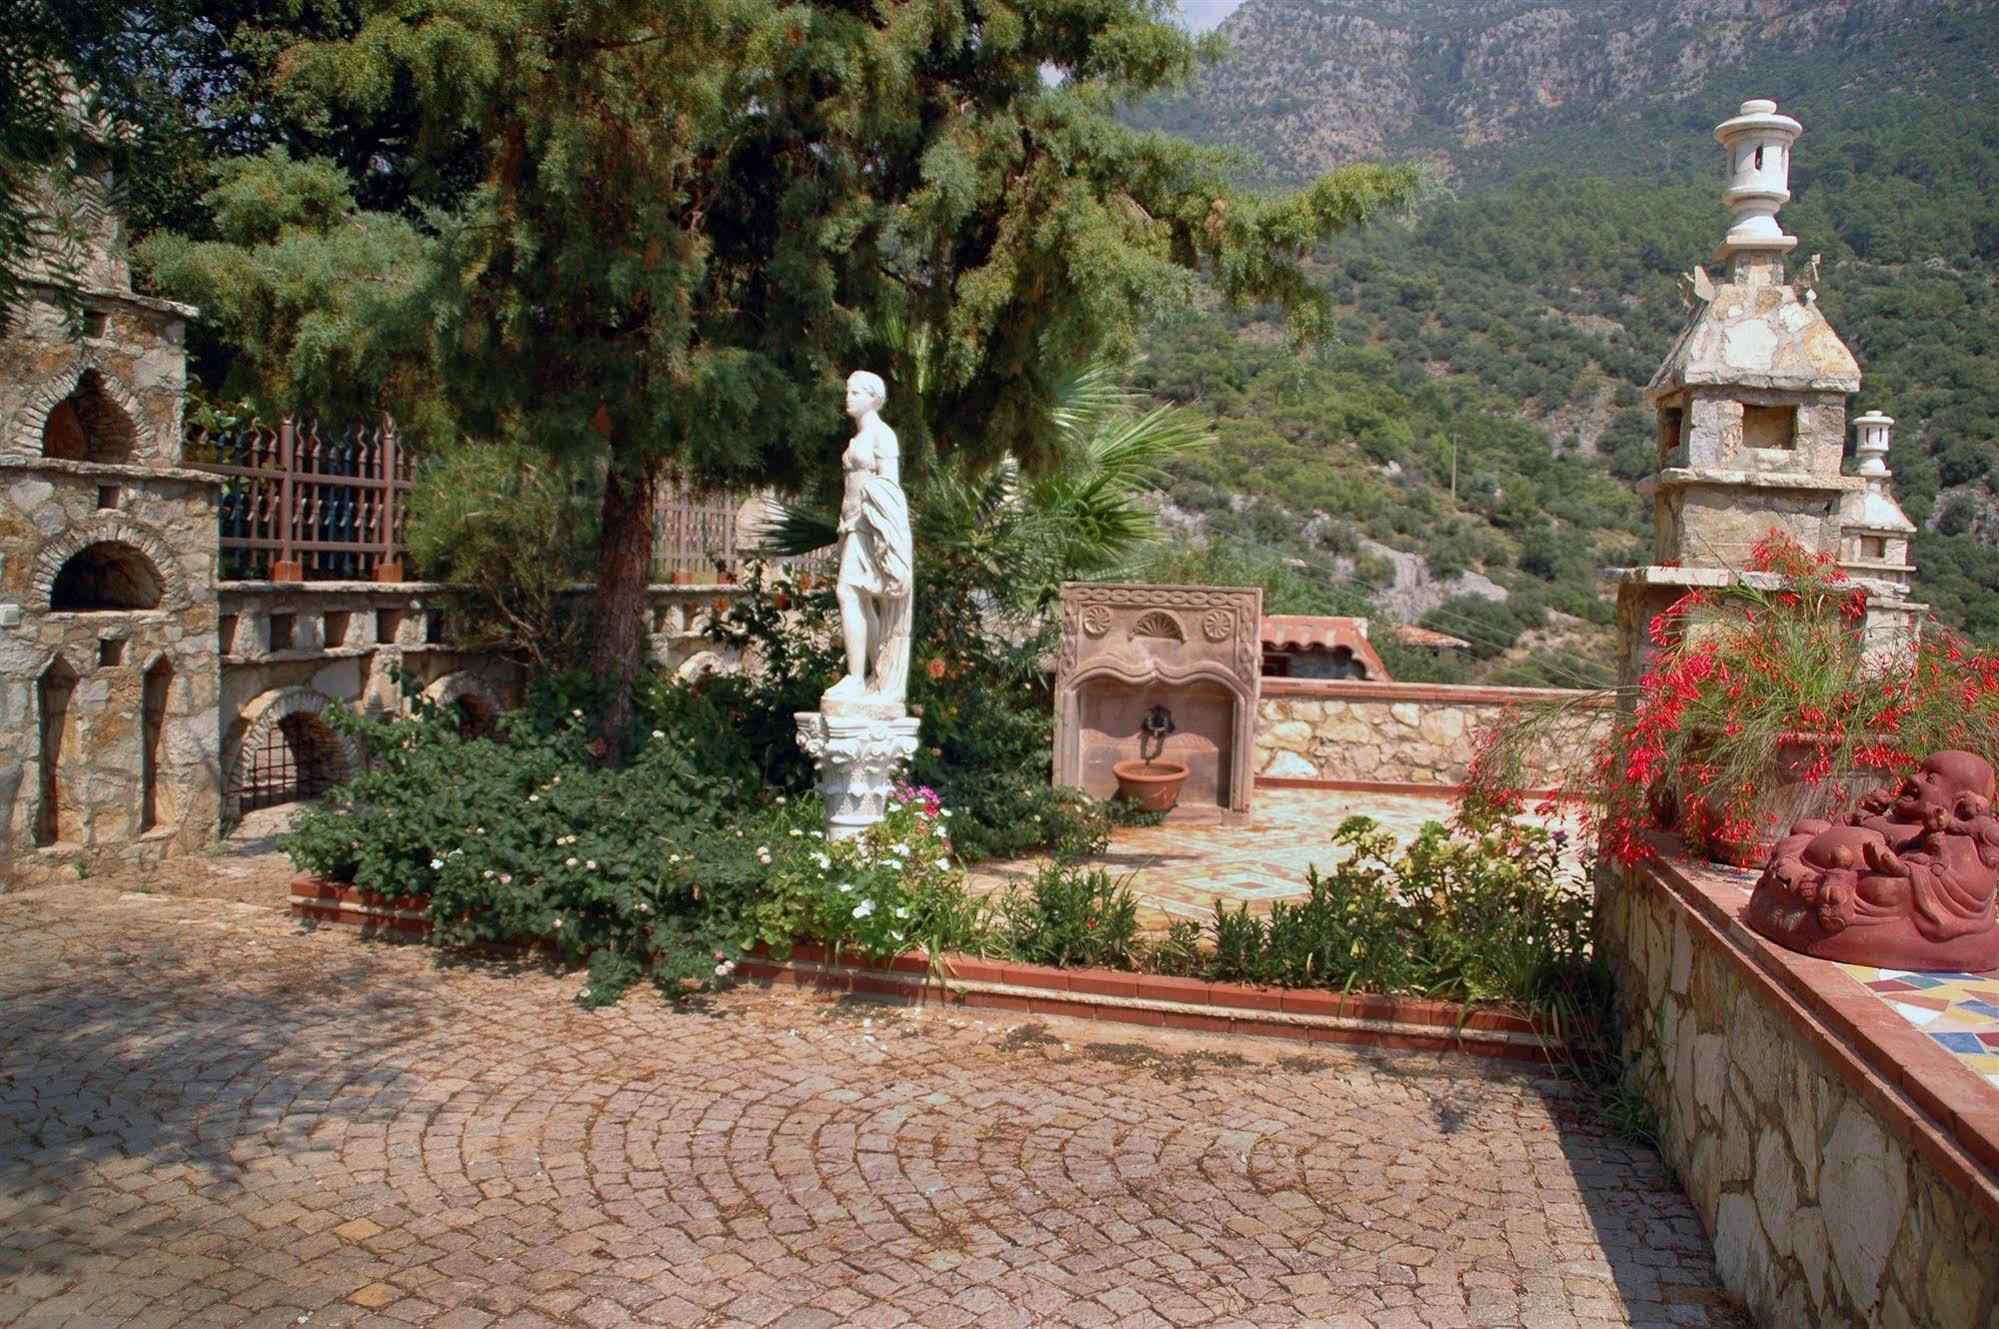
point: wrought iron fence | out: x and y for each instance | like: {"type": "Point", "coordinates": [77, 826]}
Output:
{"type": "Point", "coordinates": [302, 502]}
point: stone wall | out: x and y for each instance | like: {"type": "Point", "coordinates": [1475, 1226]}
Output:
{"type": "Point", "coordinates": [1354, 732]}
{"type": "Point", "coordinates": [1799, 1112]}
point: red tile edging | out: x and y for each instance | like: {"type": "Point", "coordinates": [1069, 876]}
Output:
{"type": "Point", "coordinates": [1314, 1015]}
{"type": "Point", "coordinates": [1927, 1097]}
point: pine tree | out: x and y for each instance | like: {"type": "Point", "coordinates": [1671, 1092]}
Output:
{"type": "Point", "coordinates": [685, 221]}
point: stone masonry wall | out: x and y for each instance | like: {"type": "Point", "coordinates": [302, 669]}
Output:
{"type": "Point", "coordinates": [1390, 733]}
{"type": "Point", "coordinates": [1820, 1213]}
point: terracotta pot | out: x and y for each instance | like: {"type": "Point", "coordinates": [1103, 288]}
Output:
{"type": "Point", "coordinates": [1151, 785]}
{"type": "Point", "coordinates": [1789, 799]}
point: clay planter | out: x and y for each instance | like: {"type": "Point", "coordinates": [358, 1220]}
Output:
{"type": "Point", "coordinates": [1153, 786]}
{"type": "Point", "coordinates": [1789, 799]}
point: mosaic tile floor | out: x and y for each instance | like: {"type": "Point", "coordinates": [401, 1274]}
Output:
{"type": "Point", "coordinates": [1959, 1011]}
{"type": "Point", "coordinates": [1181, 870]}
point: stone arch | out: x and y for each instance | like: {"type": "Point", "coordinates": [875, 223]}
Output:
{"type": "Point", "coordinates": [30, 425]}
{"type": "Point", "coordinates": [89, 425]}
{"type": "Point", "coordinates": [290, 717]}
{"type": "Point", "coordinates": [110, 528]}
{"type": "Point", "coordinates": [108, 575]}
{"type": "Point", "coordinates": [702, 663]}
{"type": "Point", "coordinates": [471, 696]}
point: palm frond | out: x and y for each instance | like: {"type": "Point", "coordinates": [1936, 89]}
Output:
{"type": "Point", "coordinates": [796, 528]}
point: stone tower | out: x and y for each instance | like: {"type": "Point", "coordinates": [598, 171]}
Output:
{"type": "Point", "coordinates": [109, 673]}
{"type": "Point", "coordinates": [1750, 404]}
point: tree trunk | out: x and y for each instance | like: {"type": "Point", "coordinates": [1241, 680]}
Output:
{"type": "Point", "coordinates": [619, 610]}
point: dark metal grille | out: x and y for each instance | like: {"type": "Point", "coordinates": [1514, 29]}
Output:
{"type": "Point", "coordinates": [298, 759]}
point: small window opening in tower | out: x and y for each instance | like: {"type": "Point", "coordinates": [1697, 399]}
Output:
{"type": "Point", "coordinates": [1759, 159]}
{"type": "Point", "coordinates": [88, 425]}
{"type": "Point", "coordinates": [1769, 426]}
{"type": "Point", "coordinates": [104, 577]}
{"type": "Point", "coordinates": [1672, 421]}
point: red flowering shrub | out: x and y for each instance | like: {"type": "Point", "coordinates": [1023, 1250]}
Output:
{"type": "Point", "coordinates": [1762, 705]}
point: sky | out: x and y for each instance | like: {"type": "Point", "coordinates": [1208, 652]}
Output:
{"type": "Point", "coordinates": [1204, 14]}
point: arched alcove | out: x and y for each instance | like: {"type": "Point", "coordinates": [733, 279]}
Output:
{"type": "Point", "coordinates": [89, 425]}
{"type": "Point", "coordinates": [52, 694]}
{"type": "Point", "coordinates": [153, 723]}
{"type": "Point", "coordinates": [286, 752]}
{"type": "Point", "coordinates": [106, 576]}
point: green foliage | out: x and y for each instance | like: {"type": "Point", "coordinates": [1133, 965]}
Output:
{"type": "Point", "coordinates": [1484, 915]}
{"type": "Point", "coordinates": [511, 531]}
{"type": "Point", "coordinates": [1068, 915]}
{"type": "Point", "coordinates": [893, 888]}
{"type": "Point", "coordinates": [526, 836]}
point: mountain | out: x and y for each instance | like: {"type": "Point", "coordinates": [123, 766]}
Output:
{"type": "Point", "coordinates": [1503, 328]}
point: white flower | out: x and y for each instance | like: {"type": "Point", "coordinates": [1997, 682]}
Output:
{"type": "Point", "coordinates": [569, 862]}
{"type": "Point", "coordinates": [534, 798]}
{"type": "Point", "coordinates": [782, 800]}
{"type": "Point", "coordinates": [436, 863]}
{"type": "Point", "coordinates": [506, 877]}
{"type": "Point", "coordinates": [846, 886]}
{"type": "Point", "coordinates": [901, 912]}
{"type": "Point", "coordinates": [944, 863]}
{"type": "Point", "coordinates": [864, 908]}
{"type": "Point", "coordinates": [644, 908]}
{"type": "Point", "coordinates": [947, 812]}
{"type": "Point", "coordinates": [763, 849]}
{"type": "Point", "coordinates": [558, 924]}
{"type": "Point", "coordinates": [657, 734]}
{"type": "Point", "coordinates": [795, 832]}
{"type": "Point", "coordinates": [478, 830]}
{"type": "Point", "coordinates": [822, 860]}
{"type": "Point", "coordinates": [487, 874]}
{"type": "Point", "coordinates": [899, 849]}
{"type": "Point", "coordinates": [590, 864]}
{"type": "Point", "coordinates": [673, 858]}
{"type": "Point", "coordinates": [818, 835]}
{"type": "Point", "coordinates": [577, 714]}
{"type": "Point", "coordinates": [1037, 816]}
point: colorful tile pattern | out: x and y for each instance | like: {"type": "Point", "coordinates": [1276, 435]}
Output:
{"type": "Point", "coordinates": [1959, 1011]}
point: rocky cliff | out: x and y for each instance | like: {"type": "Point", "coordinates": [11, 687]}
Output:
{"type": "Point", "coordinates": [1311, 84]}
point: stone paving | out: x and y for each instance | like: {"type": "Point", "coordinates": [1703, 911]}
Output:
{"type": "Point", "coordinates": [211, 1117]}
{"type": "Point", "coordinates": [1178, 871]}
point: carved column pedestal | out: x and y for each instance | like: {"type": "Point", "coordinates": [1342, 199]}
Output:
{"type": "Point", "coordinates": [857, 750]}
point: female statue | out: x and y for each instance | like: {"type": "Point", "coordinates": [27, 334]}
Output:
{"type": "Point", "coordinates": [875, 579]}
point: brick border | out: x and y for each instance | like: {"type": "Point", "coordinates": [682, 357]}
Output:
{"type": "Point", "coordinates": [1309, 1015]}
{"type": "Point", "coordinates": [1925, 1096]}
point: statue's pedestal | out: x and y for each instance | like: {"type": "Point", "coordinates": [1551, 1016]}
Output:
{"type": "Point", "coordinates": [858, 747]}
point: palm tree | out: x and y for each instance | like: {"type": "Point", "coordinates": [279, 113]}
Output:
{"type": "Point", "coordinates": [1020, 535]}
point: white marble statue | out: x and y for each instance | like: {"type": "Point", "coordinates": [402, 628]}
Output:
{"type": "Point", "coordinates": [875, 580]}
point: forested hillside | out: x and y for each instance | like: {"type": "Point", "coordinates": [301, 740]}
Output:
{"type": "Point", "coordinates": [1512, 318]}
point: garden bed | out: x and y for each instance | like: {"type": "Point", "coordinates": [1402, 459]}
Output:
{"type": "Point", "coordinates": [1317, 1016]}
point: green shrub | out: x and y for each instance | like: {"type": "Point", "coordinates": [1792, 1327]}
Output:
{"type": "Point", "coordinates": [1068, 915]}
{"type": "Point", "coordinates": [893, 888]}
{"type": "Point", "coordinates": [528, 836]}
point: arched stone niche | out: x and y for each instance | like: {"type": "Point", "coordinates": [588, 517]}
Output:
{"type": "Point", "coordinates": [477, 704]}
{"type": "Point", "coordinates": [282, 750]}
{"type": "Point", "coordinates": [89, 425]}
{"type": "Point", "coordinates": [113, 559]}
{"type": "Point", "coordinates": [1194, 650]}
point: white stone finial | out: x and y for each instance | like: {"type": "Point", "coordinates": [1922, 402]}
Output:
{"type": "Point", "coordinates": [1759, 176]}
{"type": "Point", "coordinates": [1872, 434]}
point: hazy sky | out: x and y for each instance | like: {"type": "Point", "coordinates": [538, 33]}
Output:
{"type": "Point", "coordinates": [1204, 14]}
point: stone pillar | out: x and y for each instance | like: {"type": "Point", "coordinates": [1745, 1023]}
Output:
{"type": "Point", "coordinates": [857, 750]}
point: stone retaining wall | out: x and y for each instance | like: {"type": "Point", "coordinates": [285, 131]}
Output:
{"type": "Point", "coordinates": [1841, 1161]}
{"type": "Point", "coordinates": [1344, 731]}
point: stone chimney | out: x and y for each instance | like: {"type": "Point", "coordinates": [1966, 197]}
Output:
{"type": "Point", "coordinates": [1759, 182]}
{"type": "Point", "coordinates": [1874, 544]}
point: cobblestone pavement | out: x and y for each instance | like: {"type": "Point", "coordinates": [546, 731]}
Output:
{"type": "Point", "coordinates": [209, 1117]}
